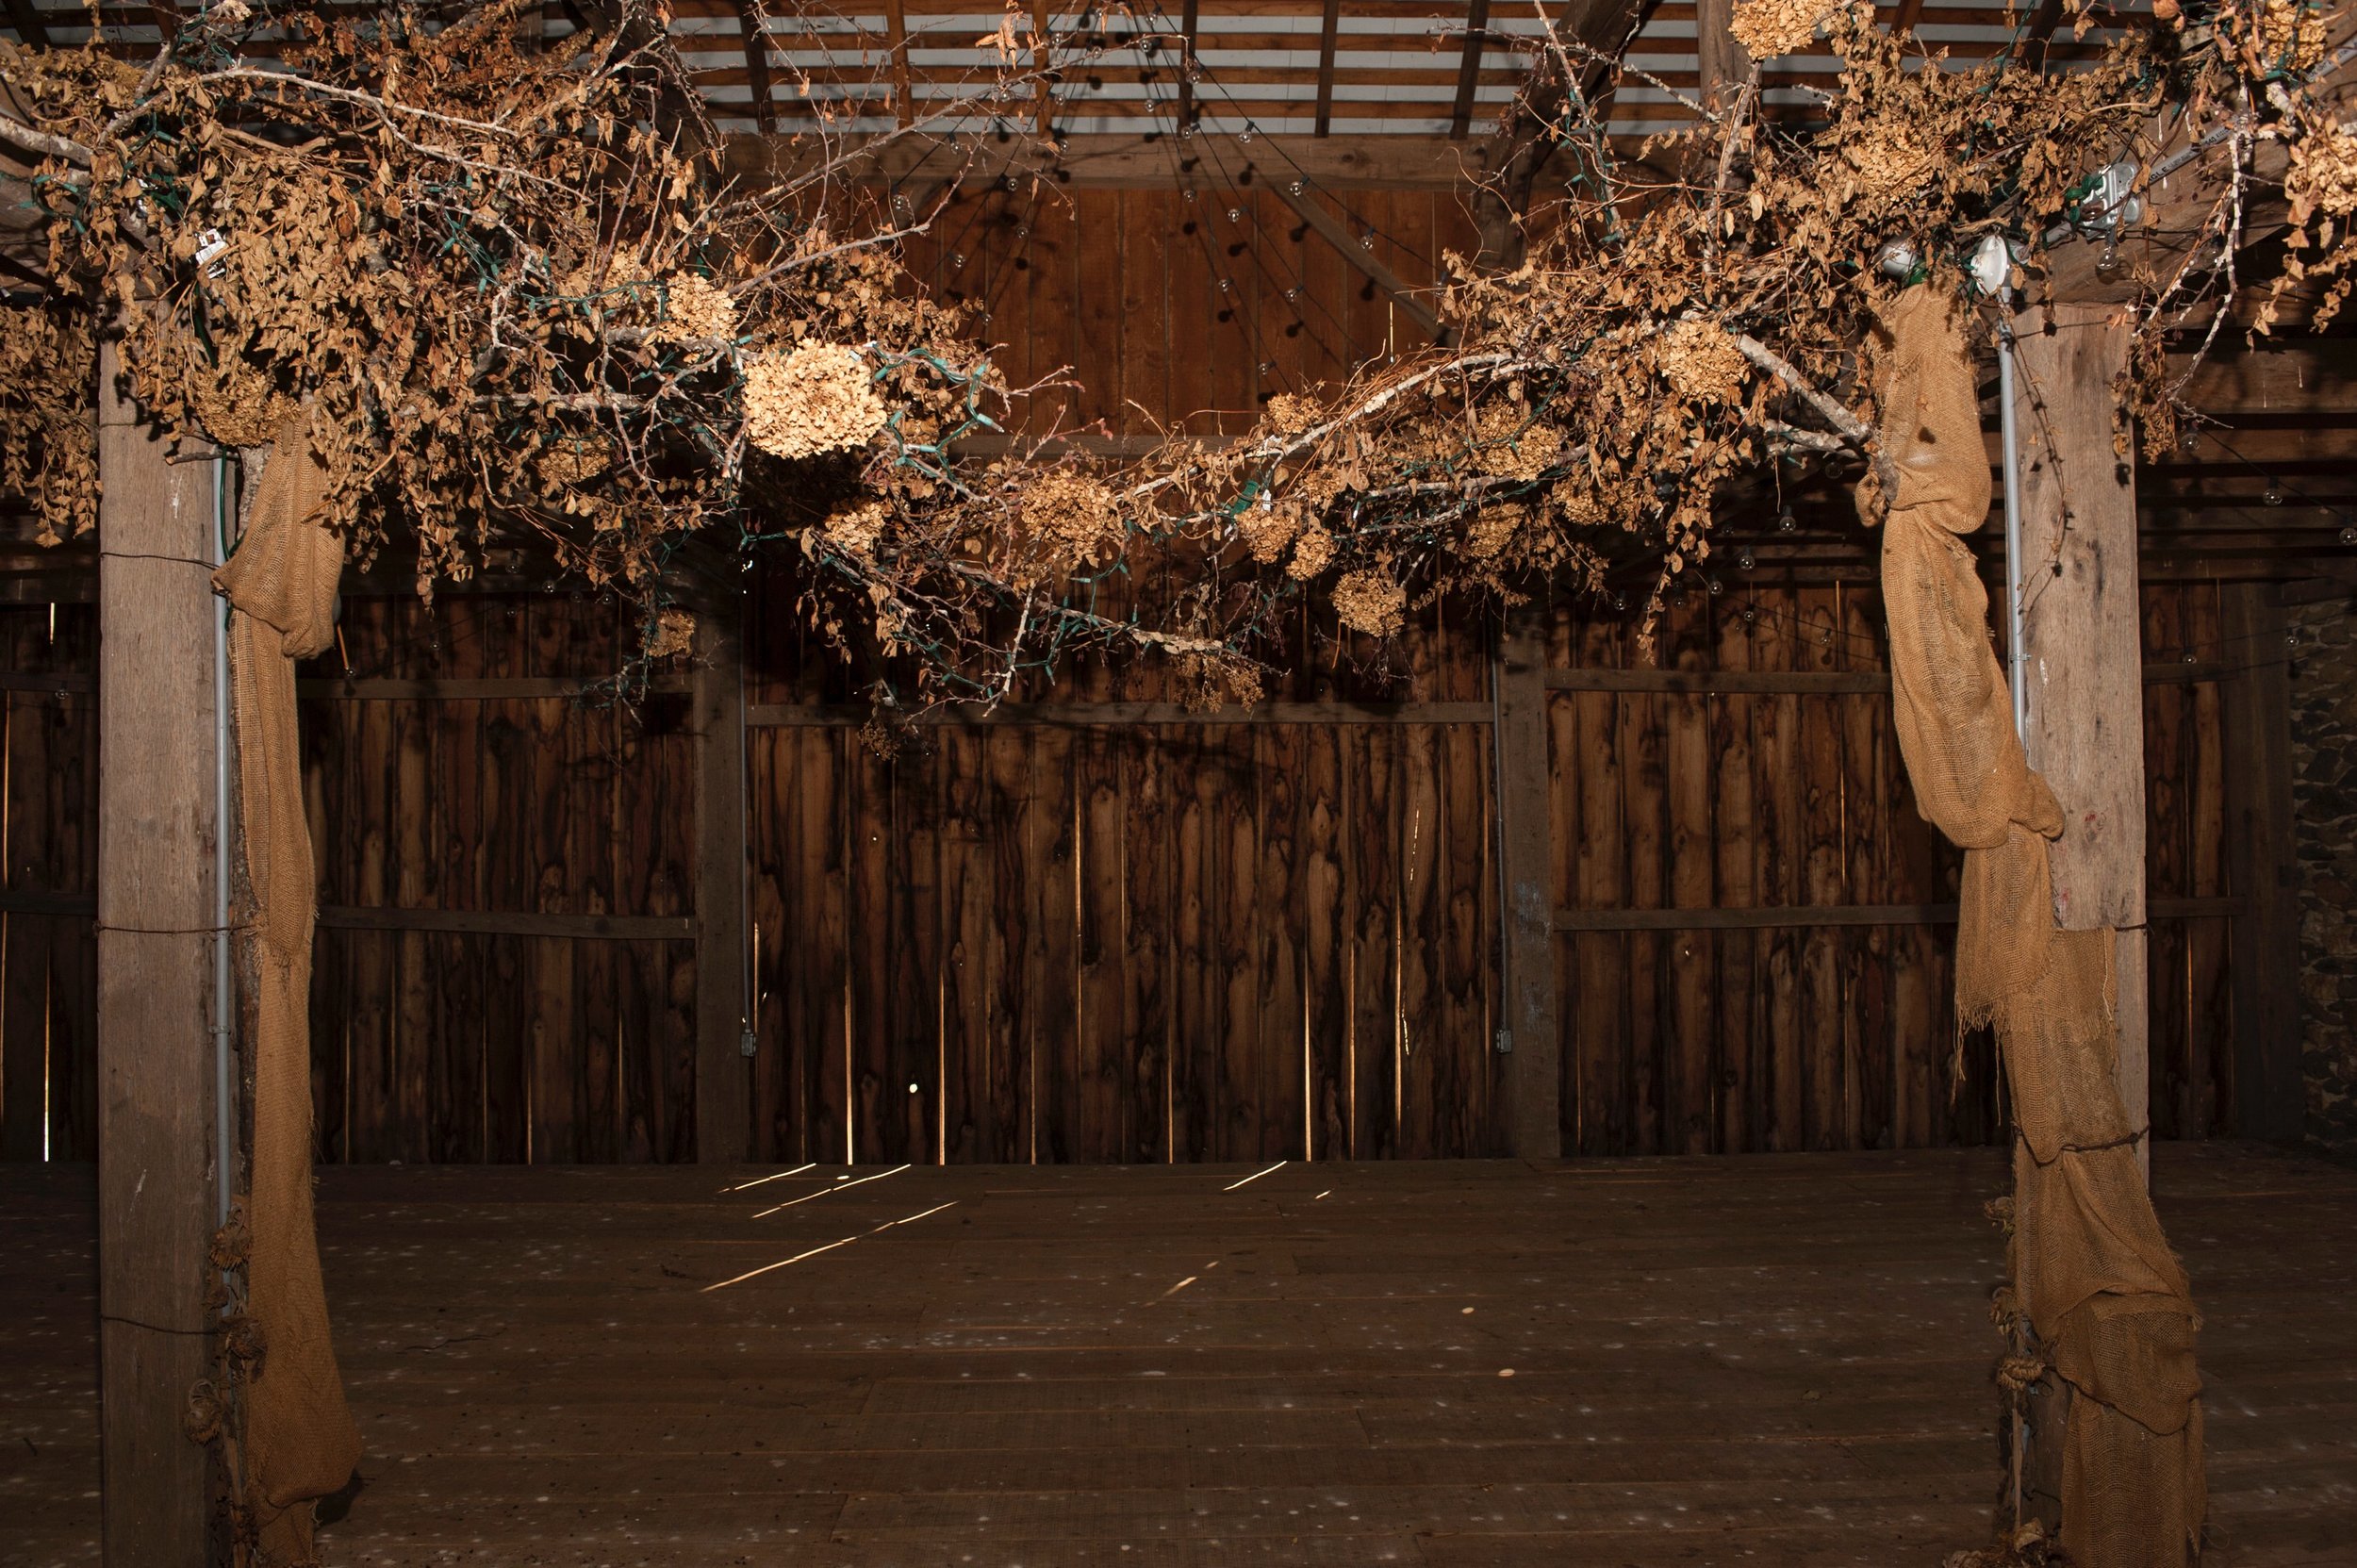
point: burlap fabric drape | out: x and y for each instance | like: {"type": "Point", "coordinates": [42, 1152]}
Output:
{"type": "Point", "coordinates": [299, 1439]}
{"type": "Point", "coordinates": [2089, 1263]}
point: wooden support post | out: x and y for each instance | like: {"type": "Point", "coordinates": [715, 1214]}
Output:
{"type": "Point", "coordinates": [158, 821]}
{"type": "Point", "coordinates": [2084, 645]}
{"type": "Point", "coordinates": [723, 1073]}
{"type": "Point", "coordinates": [2256, 725]}
{"type": "Point", "coordinates": [1534, 1067]}
{"type": "Point", "coordinates": [1721, 63]}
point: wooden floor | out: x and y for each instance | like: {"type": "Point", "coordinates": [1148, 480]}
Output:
{"type": "Point", "coordinates": [1771, 1360]}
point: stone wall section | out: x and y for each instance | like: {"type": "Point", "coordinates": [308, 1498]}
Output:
{"type": "Point", "coordinates": [2324, 815]}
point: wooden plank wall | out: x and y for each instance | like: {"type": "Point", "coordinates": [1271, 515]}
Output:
{"type": "Point", "coordinates": [1174, 941]}
{"type": "Point", "coordinates": [2191, 1015]}
{"type": "Point", "coordinates": [1134, 942]}
{"type": "Point", "coordinates": [1181, 308]}
{"type": "Point", "coordinates": [48, 940]}
{"type": "Point", "coordinates": [1830, 1037]}
{"type": "Point", "coordinates": [447, 1046]}
{"type": "Point", "coordinates": [1700, 1041]}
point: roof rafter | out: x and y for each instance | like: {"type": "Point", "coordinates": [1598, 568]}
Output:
{"type": "Point", "coordinates": [1327, 37]}
{"type": "Point", "coordinates": [755, 27]}
{"type": "Point", "coordinates": [1469, 70]}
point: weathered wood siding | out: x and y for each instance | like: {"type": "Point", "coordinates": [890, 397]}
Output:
{"type": "Point", "coordinates": [447, 1046]}
{"type": "Point", "coordinates": [48, 933]}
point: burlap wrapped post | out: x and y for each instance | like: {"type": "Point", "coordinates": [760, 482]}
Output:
{"type": "Point", "coordinates": [2089, 1263]}
{"type": "Point", "coordinates": [301, 1443]}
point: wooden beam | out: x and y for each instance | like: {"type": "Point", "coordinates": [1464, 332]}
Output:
{"type": "Point", "coordinates": [1813, 683]}
{"type": "Point", "coordinates": [487, 690]}
{"type": "Point", "coordinates": [157, 828]}
{"type": "Point", "coordinates": [57, 685]}
{"type": "Point", "coordinates": [28, 901]}
{"type": "Point", "coordinates": [2037, 37]}
{"type": "Point", "coordinates": [1469, 68]}
{"type": "Point", "coordinates": [1809, 683]}
{"type": "Point", "coordinates": [1072, 716]}
{"type": "Point", "coordinates": [1188, 22]}
{"type": "Point", "coordinates": [2269, 1100]}
{"type": "Point", "coordinates": [1313, 212]}
{"type": "Point", "coordinates": [723, 1072]}
{"type": "Point", "coordinates": [1721, 63]}
{"type": "Point", "coordinates": [1040, 61]}
{"type": "Point", "coordinates": [903, 89]}
{"type": "Point", "coordinates": [2082, 644]}
{"type": "Point", "coordinates": [27, 20]}
{"type": "Point", "coordinates": [1803, 917]}
{"type": "Point", "coordinates": [1328, 31]}
{"type": "Point", "coordinates": [1141, 160]}
{"type": "Point", "coordinates": [486, 922]}
{"type": "Point", "coordinates": [752, 25]}
{"type": "Point", "coordinates": [1534, 1035]}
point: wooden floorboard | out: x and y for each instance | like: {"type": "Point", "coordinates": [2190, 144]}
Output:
{"type": "Point", "coordinates": [1771, 1360]}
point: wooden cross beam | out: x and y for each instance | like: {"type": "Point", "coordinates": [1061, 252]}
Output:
{"type": "Point", "coordinates": [1362, 255]}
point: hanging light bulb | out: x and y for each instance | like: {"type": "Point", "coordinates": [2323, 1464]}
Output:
{"type": "Point", "coordinates": [1743, 560]}
{"type": "Point", "coordinates": [2273, 496]}
{"type": "Point", "coordinates": [1235, 215]}
{"type": "Point", "coordinates": [1786, 521]}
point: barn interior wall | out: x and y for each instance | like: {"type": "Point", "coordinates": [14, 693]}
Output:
{"type": "Point", "coordinates": [1101, 942]}
{"type": "Point", "coordinates": [1136, 941]}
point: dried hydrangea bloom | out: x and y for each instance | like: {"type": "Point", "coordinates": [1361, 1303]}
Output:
{"type": "Point", "coordinates": [574, 459]}
{"type": "Point", "coordinates": [1289, 414]}
{"type": "Point", "coordinates": [1267, 530]}
{"type": "Point", "coordinates": [2323, 176]}
{"type": "Point", "coordinates": [1524, 453]}
{"type": "Point", "coordinates": [673, 632]}
{"type": "Point", "coordinates": [1889, 166]}
{"type": "Point", "coordinates": [694, 308]}
{"type": "Point", "coordinates": [855, 530]}
{"type": "Point", "coordinates": [817, 398]}
{"type": "Point", "coordinates": [1492, 529]}
{"type": "Point", "coordinates": [1701, 361]}
{"type": "Point", "coordinates": [1312, 551]}
{"type": "Point", "coordinates": [1767, 28]}
{"type": "Point", "coordinates": [1578, 504]}
{"type": "Point", "coordinates": [1076, 513]}
{"type": "Point", "coordinates": [1369, 600]}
